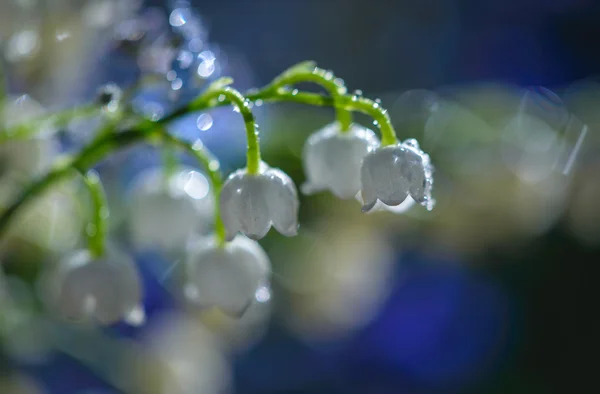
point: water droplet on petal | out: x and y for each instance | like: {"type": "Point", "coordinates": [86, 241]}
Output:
{"type": "Point", "coordinates": [136, 317]}
{"type": "Point", "coordinates": [263, 294]}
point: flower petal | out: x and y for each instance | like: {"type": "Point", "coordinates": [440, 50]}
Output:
{"type": "Point", "coordinates": [332, 158]}
{"type": "Point", "coordinates": [228, 277]}
{"type": "Point", "coordinates": [282, 199]}
{"type": "Point", "coordinates": [243, 205]}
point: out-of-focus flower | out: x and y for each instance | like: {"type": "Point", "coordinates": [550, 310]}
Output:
{"type": "Point", "coordinates": [392, 173]}
{"type": "Point", "coordinates": [252, 203]}
{"type": "Point", "coordinates": [24, 158]}
{"type": "Point", "coordinates": [332, 159]}
{"type": "Point", "coordinates": [165, 210]}
{"type": "Point", "coordinates": [36, 227]}
{"type": "Point", "coordinates": [231, 277]}
{"type": "Point", "coordinates": [102, 291]}
{"type": "Point", "coordinates": [190, 358]}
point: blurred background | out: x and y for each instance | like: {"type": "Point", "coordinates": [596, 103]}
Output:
{"type": "Point", "coordinates": [494, 291]}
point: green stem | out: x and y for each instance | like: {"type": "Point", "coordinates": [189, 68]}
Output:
{"type": "Point", "coordinates": [319, 76]}
{"type": "Point", "coordinates": [212, 167]}
{"type": "Point", "coordinates": [232, 96]}
{"type": "Point", "coordinates": [153, 131]}
{"type": "Point", "coordinates": [96, 230]}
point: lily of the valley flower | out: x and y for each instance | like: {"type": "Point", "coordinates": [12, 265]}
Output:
{"type": "Point", "coordinates": [24, 158]}
{"type": "Point", "coordinates": [392, 173]}
{"type": "Point", "coordinates": [230, 277]}
{"type": "Point", "coordinates": [165, 209]}
{"type": "Point", "coordinates": [102, 291]}
{"type": "Point", "coordinates": [251, 204]}
{"type": "Point", "coordinates": [332, 159]}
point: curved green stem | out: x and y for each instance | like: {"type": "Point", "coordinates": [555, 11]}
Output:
{"type": "Point", "coordinates": [96, 230]}
{"type": "Point", "coordinates": [212, 166]}
{"type": "Point", "coordinates": [334, 86]}
{"type": "Point", "coordinates": [232, 96]}
{"type": "Point", "coordinates": [153, 131]}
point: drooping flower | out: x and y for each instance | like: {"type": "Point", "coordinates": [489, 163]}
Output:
{"type": "Point", "coordinates": [332, 159]}
{"type": "Point", "coordinates": [165, 210]}
{"type": "Point", "coordinates": [23, 158]}
{"type": "Point", "coordinates": [104, 291]}
{"type": "Point", "coordinates": [251, 204]}
{"type": "Point", "coordinates": [392, 173]}
{"type": "Point", "coordinates": [230, 277]}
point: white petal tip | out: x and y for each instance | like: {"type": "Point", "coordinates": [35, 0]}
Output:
{"type": "Point", "coordinates": [291, 232]}
{"type": "Point", "coordinates": [308, 189]}
{"type": "Point", "coordinates": [366, 208]}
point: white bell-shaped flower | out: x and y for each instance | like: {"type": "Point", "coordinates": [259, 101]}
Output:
{"type": "Point", "coordinates": [164, 211]}
{"type": "Point", "coordinates": [25, 157]}
{"type": "Point", "coordinates": [332, 159]}
{"type": "Point", "coordinates": [102, 291]}
{"type": "Point", "coordinates": [230, 277]}
{"type": "Point", "coordinates": [252, 203]}
{"type": "Point", "coordinates": [392, 173]}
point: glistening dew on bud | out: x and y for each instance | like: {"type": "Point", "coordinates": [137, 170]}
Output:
{"type": "Point", "coordinates": [332, 159]}
{"type": "Point", "coordinates": [392, 173]}
{"type": "Point", "coordinates": [102, 291]}
{"type": "Point", "coordinates": [229, 277]}
{"type": "Point", "coordinates": [250, 203]}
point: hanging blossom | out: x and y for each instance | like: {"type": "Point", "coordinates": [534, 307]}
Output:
{"type": "Point", "coordinates": [230, 277]}
{"type": "Point", "coordinates": [104, 290]}
{"type": "Point", "coordinates": [393, 173]}
{"type": "Point", "coordinates": [252, 203]}
{"type": "Point", "coordinates": [332, 159]}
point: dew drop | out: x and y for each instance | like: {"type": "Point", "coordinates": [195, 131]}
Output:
{"type": "Point", "coordinates": [258, 102]}
{"type": "Point", "coordinates": [204, 122]}
{"type": "Point", "coordinates": [294, 92]}
{"type": "Point", "coordinates": [376, 123]}
{"type": "Point", "coordinates": [263, 294]}
{"type": "Point", "coordinates": [176, 84]}
{"type": "Point", "coordinates": [206, 68]}
{"type": "Point", "coordinates": [328, 75]}
{"type": "Point", "coordinates": [171, 75]}
{"type": "Point", "coordinates": [136, 317]}
{"type": "Point", "coordinates": [178, 17]}
{"type": "Point", "coordinates": [221, 97]}
{"type": "Point", "coordinates": [339, 81]}
{"type": "Point", "coordinates": [354, 98]}
{"type": "Point", "coordinates": [358, 92]}
{"type": "Point", "coordinates": [198, 145]}
{"type": "Point", "coordinates": [214, 165]}
{"type": "Point", "coordinates": [376, 105]}
{"type": "Point", "coordinates": [236, 108]}
{"type": "Point", "coordinates": [378, 100]}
